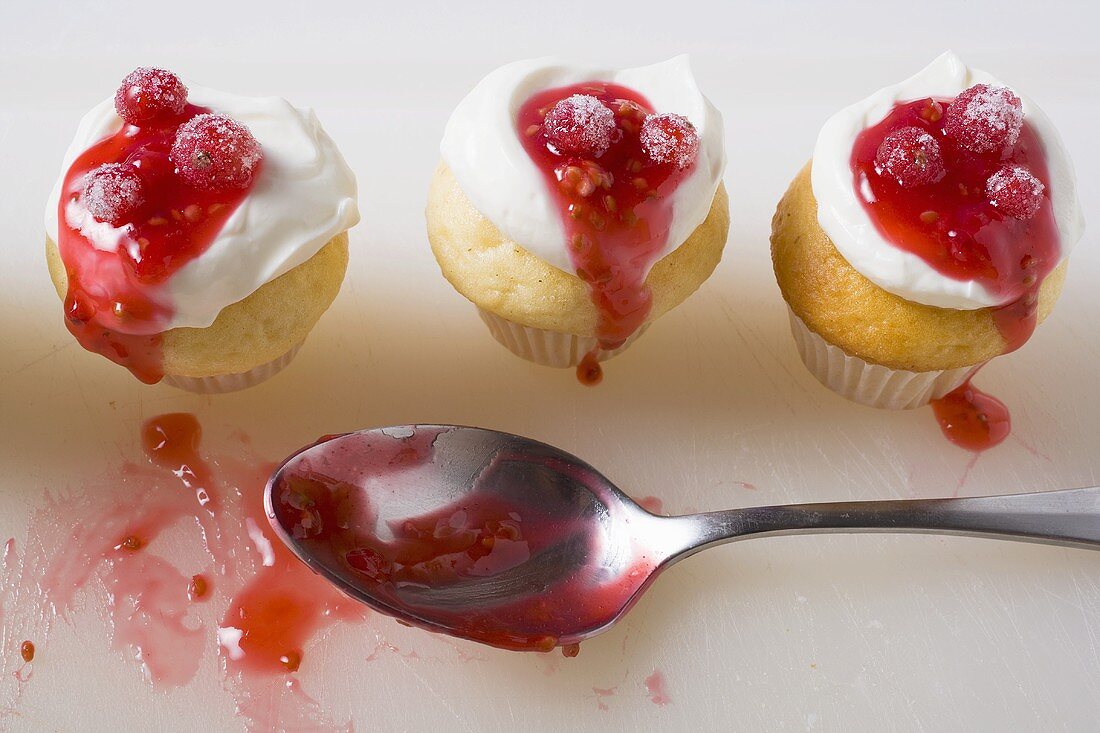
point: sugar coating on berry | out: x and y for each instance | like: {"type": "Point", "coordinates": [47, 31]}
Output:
{"type": "Point", "coordinates": [580, 124]}
{"type": "Point", "coordinates": [112, 191]}
{"type": "Point", "coordinates": [670, 138]}
{"type": "Point", "coordinates": [147, 93]}
{"type": "Point", "coordinates": [911, 156]}
{"type": "Point", "coordinates": [214, 152]}
{"type": "Point", "coordinates": [1016, 191]}
{"type": "Point", "coordinates": [985, 118]}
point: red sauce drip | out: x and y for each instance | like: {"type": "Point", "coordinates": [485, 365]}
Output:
{"type": "Point", "coordinates": [198, 587]}
{"type": "Point", "coordinates": [570, 650]}
{"type": "Point", "coordinates": [26, 651]}
{"type": "Point", "coordinates": [971, 419]}
{"type": "Point", "coordinates": [132, 543]}
{"type": "Point", "coordinates": [616, 231]}
{"type": "Point", "coordinates": [952, 225]}
{"type": "Point", "coordinates": [117, 304]}
{"type": "Point", "coordinates": [589, 371]}
{"type": "Point", "coordinates": [321, 500]}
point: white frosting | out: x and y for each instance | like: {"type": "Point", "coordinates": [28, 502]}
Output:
{"type": "Point", "coordinates": [843, 217]}
{"type": "Point", "coordinates": [304, 195]}
{"type": "Point", "coordinates": [483, 150]}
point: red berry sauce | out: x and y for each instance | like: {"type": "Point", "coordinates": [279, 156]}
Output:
{"type": "Point", "coordinates": [971, 419]}
{"type": "Point", "coordinates": [129, 192]}
{"type": "Point", "coordinates": [109, 536]}
{"type": "Point", "coordinates": [612, 183]}
{"type": "Point", "coordinates": [983, 216]}
{"type": "Point", "coordinates": [322, 497]}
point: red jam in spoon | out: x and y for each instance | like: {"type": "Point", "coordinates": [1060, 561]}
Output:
{"type": "Point", "coordinates": [137, 206]}
{"type": "Point", "coordinates": [611, 165]}
{"type": "Point", "coordinates": [964, 185]}
{"type": "Point", "coordinates": [488, 566]}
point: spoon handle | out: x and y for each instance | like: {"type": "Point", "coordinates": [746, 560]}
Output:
{"type": "Point", "coordinates": [1069, 517]}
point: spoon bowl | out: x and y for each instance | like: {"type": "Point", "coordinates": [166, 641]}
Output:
{"type": "Point", "coordinates": [511, 542]}
{"type": "Point", "coordinates": [472, 532]}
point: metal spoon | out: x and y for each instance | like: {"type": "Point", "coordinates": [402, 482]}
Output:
{"type": "Point", "coordinates": [507, 541]}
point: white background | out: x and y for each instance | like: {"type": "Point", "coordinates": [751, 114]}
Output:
{"type": "Point", "coordinates": [814, 633]}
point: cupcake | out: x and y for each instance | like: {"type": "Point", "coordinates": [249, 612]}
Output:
{"type": "Point", "coordinates": [576, 205]}
{"type": "Point", "coordinates": [928, 235]}
{"type": "Point", "coordinates": [197, 236]}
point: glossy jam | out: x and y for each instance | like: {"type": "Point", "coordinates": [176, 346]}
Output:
{"type": "Point", "coordinates": [26, 651]}
{"type": "Point", "coordinates": [324, 499]}
{"type": "Point", "coordinates": [109, 536]}
{"type": "Point", "coordinates": [952, 225]}
{"type": "Point", "coordinates": [617, 228]}
{"type": "Point", "coordinates": [272, 617]}
{"type": "Point", "coordinates": [118, 303]}
{"type": "Point", "coordinates": [971, 419]}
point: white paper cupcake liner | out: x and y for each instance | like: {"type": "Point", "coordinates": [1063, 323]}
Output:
{"type": "Point", "coordinates": [232, 382]}
{"type": "Point", "coordinates": [548, 348]}
{"type": "Point", "coordinates": [871, 384]}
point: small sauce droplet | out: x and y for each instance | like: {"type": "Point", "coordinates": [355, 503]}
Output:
{"type": "Point", "coordinates": [131, 544]}
{"type": "Point", "coordinates": [26, 650]}
{"type": "Point", "coordinates": [291, 660]}
{"type": "Point", "coordinates": [570, 650]}
{"type": "Point", "coordinates": [197, 588]}
{"type": "Point", "coordinates": [971, 419]}
{"type": "Point", "coordinates": [589, 371]}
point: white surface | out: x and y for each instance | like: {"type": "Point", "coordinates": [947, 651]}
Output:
{"type": "Point", "coordinates": [842, 214]}
{"type": "Point", "coordinates": [812, 633]}
{"type": "Point", "coordinates": [489, 161]}
{"type": "Point", "coordinates": [304, 197]}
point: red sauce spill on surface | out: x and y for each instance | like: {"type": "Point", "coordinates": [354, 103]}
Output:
{"type": "Point", "coordinates": [652, 504]}
{"type": "Point", "coordinates": [109, 535]}
{"type": "Point", "coordinates": [615, 209]}
{"type": "Point", "coordinates": [971, 419]}
{"type": "Point", "coordinates": [656, 687]}
{"type": "Point", "coordinates": [953, 226]}
{"type": "Point", "coordinates": [117, 305]}
{"type": "Point", "coordinates": [285, 604]}
{"type": "Point", "coordinates": [171, 442]}
{"type": "Point", "coordinates": [26, 651]}
{"type": "Point", "coordinates": [270, 621]}
{"type": "Point", "coordinates": [322, 497]}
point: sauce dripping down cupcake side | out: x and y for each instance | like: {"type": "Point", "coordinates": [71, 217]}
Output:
{"type": "Point", "coordinates": [964, 184]}
{"type": "Point", "coordinates": [137, 206]}
{"type": "Point", "coordinates": [610, 164]}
